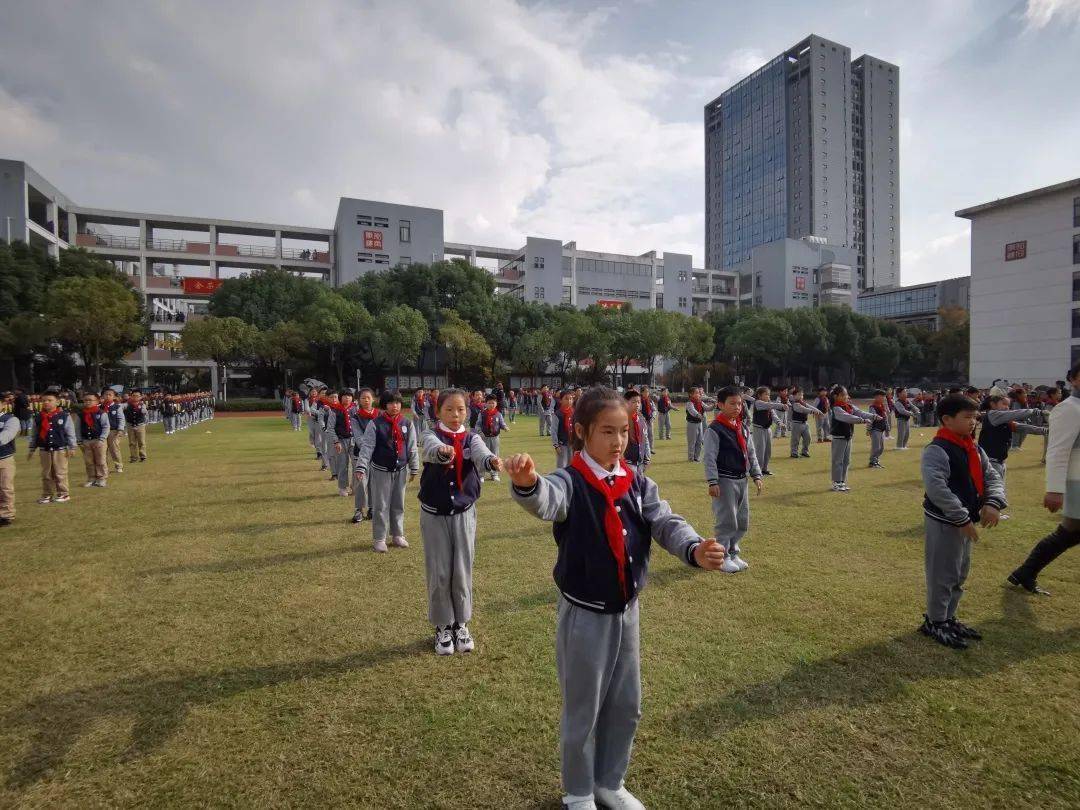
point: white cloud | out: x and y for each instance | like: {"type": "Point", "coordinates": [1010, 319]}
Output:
{"type": "Point", "coordinates": [1040, 13]}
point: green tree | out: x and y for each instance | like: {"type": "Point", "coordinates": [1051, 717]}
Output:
{"type": "Point", "coordinates": [465, 347]}
{"type": "Point", "coordinates": [20, 337]}
{"type": "Point", "coordinates": [282, 348]}
{"type": "Point", "coordinates": [952, 343]}
{"type": "Point", "coordinates": [398, 336]}
{"type": "Point", "coordinates": [762, 342]}
{"type": "Point", "coordinates": [879, 358]}
{"type": "Point", "coordinates": [223, 340]}
{"type": "Point", "coordinates": [532, 350]}
{"type": "Point", "coordinates": [577, 337]}
{"type": "Point", "coordinates": [338, 327]}
{"type": "Point", "coordinates": [843, 339]}
{"type": "Point", "coordinates": [266, 297]}
{"type": "Point", "coordinates": [22, 280]}
{"type": "Point", "coordinates": [810, 340]}
{"type": "Point", "coordinates": [694, 342]}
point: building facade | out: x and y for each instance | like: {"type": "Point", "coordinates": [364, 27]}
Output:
{"type": "Point", "coordinates": [807, 145]}
{"type": "Point", "coordinates": [793, 273]}
{"type": "Point", "coordinates": [370, 236]}
{"type": "Point", "coordinates": [1025, 285]}
{"type": "Point", "coordinates": [917, 305]}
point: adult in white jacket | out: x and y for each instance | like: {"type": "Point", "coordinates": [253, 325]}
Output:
{"type": "Point", "coordinates": [1062, 489]}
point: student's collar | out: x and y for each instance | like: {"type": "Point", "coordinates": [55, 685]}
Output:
{"type": "Point", "coordinates": [445, 429]}
{"type": "Point", "coordinates": [599, 471]}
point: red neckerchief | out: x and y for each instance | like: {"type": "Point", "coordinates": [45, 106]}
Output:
{"type": "Point", "coordinates": [613, 526]}
{"type": "Point", "coordinates": [783, 398]}
{"type": "Point", "coordinates": [458, 442]}
{"type": "Point", "coordinates": [489, 419]}
{"type": "Point", "coordinates": [697, 403]}
{"type": "Point", "coordinates": [735, 425]}
{"type": "Point", "coordinates": [878, 409]}
{"type": "Point", "coordinates": [567, 418]}
{"type": "Point", "coordinates": [844, 406]}
{"type": "Point", "coordinates": [46, 421]}
{"type": "Point", "coordinates": [637, 429]}
{"type": "Point", "coordinates": [395, 430]}
{"type": "Point", "coordinates": [545, 399]}
{"type": "Point", "coordinates": [88, 415]}
{"type": "Point", "coordinates": [295, 404]}
{"type": "Point", "coordinates": [666, 400]}
{"type": "Point", "coordinates": [362, 414]}
{"type": "Point", "coordinates": [345, 413]}
{"type": "Point", "coordinates": [823, 404]}
{"type": "Point", "coordinates": [646, 406]}
{"type": "Point", "coordinates": [974, 462]}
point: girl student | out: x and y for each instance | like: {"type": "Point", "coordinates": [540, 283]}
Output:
{"type": "Point", "coordinates": [453, 458]}
{"type": "Point", "coordinates": [562, 430]}
{"type": "Point", "coordinates": [365, 413]}
{"type": "Point", "coordinates": [604, 518]}
{"type": "Point", "coordinates": [842, 420]}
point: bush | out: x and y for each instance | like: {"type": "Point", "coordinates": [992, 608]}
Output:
{"type": "Point", "coordinates": [235, 405]}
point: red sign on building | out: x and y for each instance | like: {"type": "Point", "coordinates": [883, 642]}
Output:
{"type": "Point", "coordinates": [201, 286]}
{"type": "Point", "coordinates": [608, 303]}
{"type": "Point", "coordinates": [800, 282]}
{"type": "Point", "coordinates": [373, 240]}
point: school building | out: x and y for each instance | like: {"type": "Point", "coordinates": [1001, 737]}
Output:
{"type": "Point", "coordinates": [917, 305]}
{"type": "Point", "coordinates": [1025, 285]}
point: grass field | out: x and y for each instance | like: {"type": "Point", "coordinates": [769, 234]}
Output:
{"type": "Point", "coordinates": [209, 630]}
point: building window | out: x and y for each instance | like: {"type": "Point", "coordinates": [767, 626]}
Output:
{"type": "Point", "coordinates": [538, 263]}
{"type": "Point", "coordinates": [363, 219]}
{"type": "Point", "coordinates": [404, 231]}
{"type": "Point", "coordinates": [1076, 212]}
{"type": "Point", "coordinates": [1016, 250]}
{"type": "Point", "coordinates": [1076, 323]}
{"type": "Point", "coordinates": [538, 293]}
{"type": "Point", "coordinates": [682, 275]}
{"type": "Point", "coordinates": [1076, 248]}
{"type": "Point", "coordinates": [682, 302]}
{"type": "Point", "coordinates": [659, 300]}
{"type": "Point", "coordinates": [406, 260]}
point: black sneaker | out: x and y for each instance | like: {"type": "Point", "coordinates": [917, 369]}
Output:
{"type": "Point", "coordinates": [358, 517]}
{"type": "Point", "coordinates": [942, 634]}
{"type": "Point", "coordinates": [804, 455]}
{"type": "Point", "coordinates": [961, 630]}
{"type": "Point", "coordinates": [1030, 587]}
{"type": "Point", "coordinates": [794, 455]}
{"type": "Point", "coordinates": [367, 515]}
{"type": "Point", "coordinates": [5, 521]}
{"type": "Point", "coordinates": [766, 472]}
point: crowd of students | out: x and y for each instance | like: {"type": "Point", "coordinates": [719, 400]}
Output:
{"type": "Point", "coordinates": [605, 510]}
{"type": "Point", "coordinates": [55, 429]}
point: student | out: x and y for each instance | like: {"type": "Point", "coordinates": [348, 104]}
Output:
{"type": "Point", "coordinates": [999, 423]}
{"type": "Point", "coordinates": [822, 422]}
{"type": "Point", "coordinates": [311, 410]}
{"type": "Point", "coordinates": [695, 419]}
{"type": "Point", "coordinates": [962, 489]}
{"type": "Point", "coordinates": [53, 434]}
{"type": "Point", "coordinates": [1053, 398]}
{"type": "Point", "coordinates": [339, 426]}
{"type": "Point", "coordinates": [1019, 403]}
{"type": "Point", "coordinates": [879, 426]}
{"type": "Point", "coordinates": [93, 434]}
{"type": "Point", "coordinates": [604, 518]}
{"type": "Point", "coordinates": [362, 416]}
{"type": "Point", "coordinates": [296, 410]}
{"type": "Point", "coordinates": [489, 426]}
{"type": "Point", "coordinates": [639, 442]}
{"type": "Point", "coordinates": [562, 429]}
{"type": "Point", "coordinates": [476, 407]}
{"type": "Point", "coordinates": [729, 459]}
{"type": "Point", "coordinates": [387, 454]}
{"type": "Point", "coordinates": [663, 410]}
{"type": "Point", "coordinates": [419, 411]}
{"type": "Point", "coordinates": [329, 403]}
{"type": "Point", "coordinates": [430, 406]}
{"type": "Point", "coordinates": [117, 428]}
{"type": "Point", "coordinates": [449, 487]}
{"type": "Point", "coordinates": [10, 428]}
{"type": "Point", "coordinates": [798, 412]}
{"type": "Point", "coordinates": [511, 405]}
{"type": "Point", "coordinates": [546, 404]}
{"type": "Point", "coordinates": [842, 418]}
{"type": "Point", "coordinates": [906, 413]}
{"type": "Point", "coordinates": [135, 418]}
{"type": "Point", "coordinates": [782, 421]}
{"type": "Point", "coordinates": [763, 418]}
{"type": "Point", "coordinates": [648, 412]}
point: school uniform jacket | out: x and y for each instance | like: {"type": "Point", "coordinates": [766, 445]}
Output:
{"type": "Point", "coordinates": [800, 410]}
{"type": "Point", "coordinates": [723, 456]}
{"type": "Point", "coordinates": [440, 493]}
{"type": "Point", "coordinates": [135, 416]}
{"type": "Point", "coordinates": [97, 430]}
{"type": "Point", "coordinates": [115, 412]}
{"type": "Point", "coordinates": [498, 424]}
{"type": "Point", "coordinates": [586, 572]}
{"type": "Point", "coordinates": [842, 423]}
{"type": "Point", "coordinates": [61, 433]}
{"type": "Point", "coordinates": [763, 412]}
{"type": "Point", "coordinates": [951, 496]}
{"type": "Point", "coordinates": [10, 426]}
{"type": "Point", "coordinates": [359, 428]}
{"type": "Point", "coordinates": [638, 453]}
{"type": "Point", "coordinates": [377, 449]}
{"type": "Point", "coordinates": [905, 410]}
{"type": "Point", "coordinates": [998, 428]}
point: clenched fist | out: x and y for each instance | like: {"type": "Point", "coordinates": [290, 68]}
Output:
{"type": "Point", "coordinates": [522, 470]}
{"type": "Point", "coordinates": [709, 554]}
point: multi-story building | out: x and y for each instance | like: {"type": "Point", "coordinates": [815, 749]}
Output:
{"type": "Point", "coordinates": [917, 305]}
{"type": "Point", "coordinates": [370, 236]}
{"type": "Point", "coordinates": [807, 145]}
{"type": "Point", "coordinates": [792, 273]}
{"type": "Point", "coordinates": [1025, 285]}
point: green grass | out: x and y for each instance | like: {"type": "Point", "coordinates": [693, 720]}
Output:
{"type": "Point", "coordinates": [209, 630]}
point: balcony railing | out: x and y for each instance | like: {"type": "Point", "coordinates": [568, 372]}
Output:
{"type": "Point", "coordinates": [106, 240]}
{"type": "Point", "coordinates": [98, 240]}
{"type": "Point", "coordinates": [306, 254]}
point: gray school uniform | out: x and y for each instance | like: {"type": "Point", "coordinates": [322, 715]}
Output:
{"type": "Point", "coordinates": [877, 438]}
{"type": "Point", "coordinates": [450, 541]}
{"type": "Point", "coordinates": [841, 447]}
{"type": "Point", "coordinates": [597, 655]}
{"type": "Point", "coordinates": [800, 431]}
{"type": "Point", "coordinates": [341, 461]}
{"type": "Point", "coordinates": [906, 413]}
{"type": "Point", "coordinates": [947, 553]}
{"type": "Point", "coordinates": [547, 415]}
{"type": "Point", "coordinates": [324, 445]}
{"type": "Point", "coordinates": [1014, 415]}
{"type": "Point", "coordinates": [731, 510]}
{"type": "Point", "coordinates": [387, 487]}
{"type": "Point", "coordinates": [763, 436]}
{"type": "Point", "coordinates": [491, 442]}
{"type": "Point", "coordinates": [694, 430]}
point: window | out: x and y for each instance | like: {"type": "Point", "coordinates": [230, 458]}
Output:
{"type": "Point", "coordinates": [380, 222]}
{"type": "Point", "coordinates": [382, 258]}
{"type": "Point", "coordinates": [682, 275]}
{"type": "Point", "coordinates": [682, 302]}
{"type": "Point", "coordinates": [1076, 286]}
{"type": "Point", "coordinates": [363, 219]}
{"type": "Point", "coordinates": [1076, 212]}
{"type": "Point", "coordinates": [406, 260]}
{"type": "Point", "coordinates": [538, 293]}
{"type": "Point", "coordinates": [1017, 250]}
{"type": "Point", "coordinates": [538, 263]}
{"type": "Point", "coordinates": [404, 231]}
{"type": "Point", "coordinates": [1076, 248]}
{"type": "Point", "coordinates": [363, 257]}
{"type": "Point", "coordinates": [1076, 323]}
{"type": "Point", "coordinates": [659, 300]}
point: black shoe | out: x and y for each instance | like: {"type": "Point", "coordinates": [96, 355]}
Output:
{"type": "Point", "coordinates": [333, 477]}
{"type": "Point", "coordinates": [358, 517]}
{"type": "Point", "coordinates": [367, 516]}
{"type": "Point", "coordinates": [1030, 587]}
{"type": "Point", "coordinates": [961, 630]}
{"type": "Point", "coordinates": [5, 521]}
{"type": "Point", "coordinates": [877, 466]}
{"type": "Point", "coordinates": [766, 472]}
{"type": "Point", "coordinates": [804, 455]}
{"type": "Point", "coordinates": [794, 455]}
{"type": "Point", "coordinates": [942, 634]}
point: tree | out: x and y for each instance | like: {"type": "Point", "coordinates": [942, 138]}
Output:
{"type": "Point", "coordinates": [337, 326]}
{"type": "Point", "coordinates": [762, 341]}
{"type": "Point", "coordinates": [266, 297]}
{"type": "Point", "coordinates": [577, 337]}
{"type": "Point", "coordinates": [693, 343]}
{"type": "Point", "coordinates": [282, 347]}
{"type": "Point", "coordinates": [398, 336]}
{"type": "Point", "coordinates": [843, 337]}
{"type": "Point", "coordinates": [22, 280]}
{"type": "Point", "coordinates": [880, 357]}
{"type": "Point", "coordinates": [465, 347]}
{"type": "Point", "coordinates": [810, 343]}
{"type": "Point", "coordinates": [21, 336]}
{"type": "Point", "coordinates": [431, 289]}
{"type": "Point", "coordinates": [657, 334]}
{"type": "Point", "coordinates": [99, 317]}
{"type": "Point", "coordinates": [223, 340]}
{"type": "Point", "coordinates": [952, 342]}
{"type": "Point", "coordinates": [532, 350]}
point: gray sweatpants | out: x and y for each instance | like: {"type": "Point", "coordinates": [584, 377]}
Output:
{"type": "Point", "coordinates": [999, 468]}
{"type": "Point", "coordinates": [598, 658]}
{"type": "Point", "coordinates": [877, 445]}
{"type": "Point", "coordinates": [492, 443]}
{"type": "Point", "coordinates": [419, 423]}
{"type": "Point", "coordinates": [361, 494]}
{"type": "Point", "coordinates": [903, 431]}
{"type": "Point", "coordinates": [387, 493]}
{"type": "Point", "coordinates": [563, 456]}
{"type": "Point", "coordinates": [295, 419]}
{"type": "Point", "coordinates": [649, 431]}
{"type": "Point", "coordinates": [822, 423]}
{"type": "Point", "coordinates": [449, 547]}
{"type": "Point", "coordinates": [948, 560]}
{"type": "Point", "coordinates": [731, 513]}
{"type": "Point", "coordinates": [695, 440]}
{"type": "Point", "coordinates": [841, 459]}
{"type": "Point", "coordinates": [800, 435]}
{"type": "Point", "coordinates": [343, 465]}
{"type": "Point", "coordinates": [665, 424]}
{"type": "Point", "coordinates": [545, 424]}
{"type": "Point", "coordinates": [763, 446]}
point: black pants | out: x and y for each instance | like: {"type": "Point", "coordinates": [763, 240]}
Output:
{"type": "Point", "coordinates": [1060, 540]}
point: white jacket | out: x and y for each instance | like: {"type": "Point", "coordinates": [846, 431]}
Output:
{"type": "Point", "coordinates": [1063, 447]}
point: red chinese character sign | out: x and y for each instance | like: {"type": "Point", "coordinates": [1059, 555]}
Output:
{"type": "Point", "coordinates": [608, 303]}
{"type": "Point", "coordinates": [201, 286]}
{"type": "Point", "coordinates": [800, 282]}
{"type": "Point", "coordinates": [373, 240]}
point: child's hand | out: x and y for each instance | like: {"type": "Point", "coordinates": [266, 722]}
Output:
{"type": "Point", "coordinates": [447, 452]}
{"type": "Point", "coordinates": [989, 516]}
{"type": "Point", "coordinates": [1052, 501]}
{"type": "Point", "coordinates": [760, 485]}
{"type": "Point", "coordinates": [359, 475]}
{"type": "Point", "coordinates": [714, 490]}
{"type": "Point", "coordinates": [970, 532]}
{"type": "Point", "coordinates": [337, 446]}
{"type": "Point", "coordinates": [522, 470]}
{"type": "Point", "coordinates": [497, 464]}
{"type": "Point", "coordinates": [709, 554]}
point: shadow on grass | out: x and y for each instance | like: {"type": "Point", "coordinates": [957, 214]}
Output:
{"type": "Point", "coordinates": [248, 529]}
{"type": "Point", "coordinates": [159, 705]}
{"type": "Point", "coordinates": [881, 672]}
{"type": "Point", "coordinates": [229, 566]}
{"type": "Point", "coordinates": [245, 501]}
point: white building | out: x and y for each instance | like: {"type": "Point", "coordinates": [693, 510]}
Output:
{"type": "Point", "coordinates": [1025, 285]}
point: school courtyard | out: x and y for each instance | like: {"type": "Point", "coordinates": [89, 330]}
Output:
{"type": "Point", "coordinates": [210, 630]}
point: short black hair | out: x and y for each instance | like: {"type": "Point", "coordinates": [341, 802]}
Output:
{"type": "Point", "coordinates": [879, 392]}
{"type": "Point", "coordinates": [971, 391]}
{"type": "Point", "coordinates": [955, 391]}
{"type": "Point", "coordinates": [362, 390]}
{"type": "Point", "coordinates": [952, 404]}
{"type": "Point", "coordinates": [632, 393]}
{"type": "Point", "coordinates": [727, 392]}
{"type": "Point", "coordinates": [491, 398]}
{"type": "Point", "coordinates": [389, 396]}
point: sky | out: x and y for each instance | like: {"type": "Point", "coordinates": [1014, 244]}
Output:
{"type": "Point", "coordinates": [570, 120]}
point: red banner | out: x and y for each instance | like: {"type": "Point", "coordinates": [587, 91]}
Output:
{"type": "Point", "coordinates": [373, 240]}
{"type": "Point", "coordinates": [201, 286]}
{"type": "Point", "coordinates": [608, 303]}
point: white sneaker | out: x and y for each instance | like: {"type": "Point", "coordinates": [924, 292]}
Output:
{"type": "Point", "coordinates": [344, 493]}
{"type": "Point", "coordinates": [399, 542]}
{"type": "Point", "coordinates": [463, 642]}
{"type": "Point", "coordinates": [444, 641]}
{"type": "Point", "coordinates": [844, 487]}
{"type": "Point", "coordinates": [88, 484]}
{"type": "Point", "coordinates": [380, 546]}
{"type": "Point", "coordinates": [729, 566]}
{"type": "Point", "coordinates": [621, 799]}
{"type": "Point", "coordinates": [1004, 516]}
{"type": "Point", "coordinates": [45, 499]}
{"type": "Point", "coordinates": [837, 486]}
{"type": "Point", "coordinates": [579, 803]}
{"type": "Point", "coordinates": [101, 482]}
{"type": "Point", "coordinates": [739, 561]}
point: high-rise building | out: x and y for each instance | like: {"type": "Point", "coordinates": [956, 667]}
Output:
{"type": "Point", "coordinates": [807, 145]}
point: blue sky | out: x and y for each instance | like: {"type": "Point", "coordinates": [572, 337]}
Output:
{"type": "Point", "coordinates": [568, 120]}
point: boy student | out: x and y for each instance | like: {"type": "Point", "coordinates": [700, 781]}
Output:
{"type": "Point", "coordinates": [362, 416]}
{"type": "Point", "coordinates": [10, 428]}
{"type": "Point", "coordinates": [117, 428]}
{"type": "Point", "coordinates": [135, 417]}
{"type": "Point", "coordinates": [639, 443]}
{"type": "Point", "coordinates": [962, 489]}
{"type": "Point", "coordinates": [419, 410]}
{"type": "Point", "coordinates": [695, 419]}
{"type": "Point", "coordinates": [387, 454]}
{"type": "Point", "coordinates": [999, 423]}
{"type": "Point", "coordinates": [93, 433]}
{"type": "Point", "coordinates": [729, 459]}
{"type": "Point", "coordinates": [296, 410]}
{"type": "Point", "coordinates": [906, 413]}
{"type": "Point", "coordinates": [547, 407]}
{"type": "Point", "coordinates": [329, 402]}
{"type": "Point", "coordinates": [648, 412]}
{"type": "Point", "coordinates": [879, 426]}
{"type": "Point", "coordinates": [798, 411]}
{"type": "Point", "coordinates": [511, 405]}
{"type": "Point", "coordinates": [489, 426]}
{"type": "Point", "coordinates": [763, 418]}
{"type": "Point", "coordinates": [339, 427]}
{"type": "Point", "coordinates": [663, 410]}
{"type": "Point", "coordinates": [604, 518]}
{"type": "Point", "coordinates": [429, 408]}
{"type": "Point", "coordinates": [53, 434]}
{"type": "Point", "coordinates": [449, 487]}
{"type": "Point", "coordinates": [562, 429]}
{"type": "Point", "coordinates": [476, 407]}
{"type": "Point", "coordinates": [822, 422]}
{"type": "Point", "coordinates": [781, 422]}
{"type": "Point", "coordinates": [311, 410]}
{"type": "Point", "coordinates": [842, 419]}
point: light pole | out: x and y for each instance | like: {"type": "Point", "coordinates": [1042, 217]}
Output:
{"type": "Point", "coordinates": [8, 229]}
